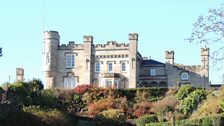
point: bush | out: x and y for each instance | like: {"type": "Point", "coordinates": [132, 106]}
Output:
{"type": "Point", "coordinates": [49, 116]}
{"type": "Point", "coordinates": [81, 89]}
{"type": "Point", "coordinates": [184, 91]}
{"type": "Point", "coordinates": [141, 121]}
{"type": "Point", "coordinates": [149, 94]}
{"type": "Point", "coordinates": [36, 85]}
{"type": "Point", "coordinates": [46, 98]}
{"type": "Point", "coordinates": [165, 107]}
{"type": "Point", "coordinates": [105, 104]}
{"type": "Point", "coordinates": [112, 117]}
{"type": "Point", "coordinates": [214, 120]}
{"type": "Point", "coordinates": [192, 101]}
{"type": "Point", "coordinates": [143, 108]}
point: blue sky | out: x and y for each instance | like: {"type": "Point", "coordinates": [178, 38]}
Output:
{"type": "Point", "coordinates": [161, 25]}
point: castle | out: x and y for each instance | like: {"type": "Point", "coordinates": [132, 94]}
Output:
{"type": "Point", "coordinates": [114, 65]}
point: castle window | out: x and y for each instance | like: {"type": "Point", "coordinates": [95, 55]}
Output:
{"type": "Point", "coordinates": [48, 60]}
{"type": "Point", "coordinates": [116, 84]}
{"type": "Point", "coordinates": [97, 67]}
{"type": "Point", "coordinates": [108, 84]}
{"type": "Point", "coordinates": [73, 60]}
{"type": "Point", "coordinates": [153, 72]}
{"type": "Point", "coordinates": [70, 60]}
{"type": "Point", "coordinates": [69, 82]}
{"type": "Point", "coordinates": [184, 76]}
{"type": "Point", "coordinates": [123, 67]}
{"type": "Point", "coordinates": [110, 67]}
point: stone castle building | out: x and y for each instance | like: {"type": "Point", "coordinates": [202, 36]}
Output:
{"type": "Point", "coordinates": [114, 65]}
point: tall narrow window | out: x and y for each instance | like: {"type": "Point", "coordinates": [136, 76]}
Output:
{"type": "Point", "coordinates": [110, 67]}
{"type": "Point", "coordinates": [70, 60]}
{"type": "Point", "coordinates": [116, 84]}
{"type": "Point", "coordinates": [69, 82]}
{"type": "Point", "coordinates": [123, 67]}
{"type": "Point", "coordinates": [97, 67]}
{"type": "Point", "coordinates": [48, 58]}
{"type": "Point", "coordinates": [153, 72]}
{"type": "Point", "coordinates": [73, 60]}
{"type": "Point", "coordinates": [108, 84]}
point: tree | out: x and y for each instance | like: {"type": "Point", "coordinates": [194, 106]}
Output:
{"type": "Point", "coordinates": [0, 52]}
{"type": "Point", "coordinates": [209, 31]}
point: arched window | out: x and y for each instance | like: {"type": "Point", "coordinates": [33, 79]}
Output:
{"type": "Point", "coordinates": [153, 84]}
{"type": "Point", "coordinates": [144, 84]}
{"type": "Point", "coordinates": [163, 84]}
{"type": "Point", "coordinates": [184, 76]}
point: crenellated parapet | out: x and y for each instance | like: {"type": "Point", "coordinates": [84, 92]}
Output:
{"type": "Point", "coordinates": [112, 45]}
{"type": "Point", "coordinates": [193, 68]}
{"type": "Point", "coordinates": [204, 51]}
{"type": "Point", "coordinates": [70, 46]}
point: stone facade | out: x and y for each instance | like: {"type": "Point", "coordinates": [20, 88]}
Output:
{"type": "Point", "coordinates": [114, 65]}
{"type": "Point", "coordinates": [19, 74]}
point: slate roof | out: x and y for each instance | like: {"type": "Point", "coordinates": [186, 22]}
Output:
{"type": "Point", "coordinates": [151, 62]}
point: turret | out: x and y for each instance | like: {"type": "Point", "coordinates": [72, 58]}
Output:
{"type": "Point", "coordinates": [88, 43]}
{"type": "Point", "coordinates": [133, 50]}
{"type": "Point", "coordinates": [50, 47]}
{"type": "Point", "coordinates": [19, 74]}
{"type": "Point", "coordinates": [205, 61]}
{"type": "Point", "coordinates": [204, 57]}
{"type": "Point", "coordinates": [169, 55]}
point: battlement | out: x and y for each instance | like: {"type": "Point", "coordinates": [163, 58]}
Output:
{"type": "Point", "coordinates": [133, 36]}
{"type": "Point", "coordinates": [193, 68]}
{"type": "Point", "coordinates": [71, 45]}
{"type": "Point", "coordinates": [19, 71]}
{"type": "Point", "coordinates": [88, 38]}
{"type": "Point", "coordinates": [112, 45]}
{"type": "Point", "coordinates": [169, 54]}
{"type": "Point", "coordinates": [204, 51]}
{"type": "Point", "coordinates": [51, 35]}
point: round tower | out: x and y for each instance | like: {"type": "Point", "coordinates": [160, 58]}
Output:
{"type": "Point", "coordinates": [50, 47]}
{"type": "Point", "coordinates": [133, 51]}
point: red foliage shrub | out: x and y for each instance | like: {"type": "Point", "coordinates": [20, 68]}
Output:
{"type": "Point", "coordinates": [142, 108]}
{"type": "Point", "coordinates": [106, 104]}
{"type": "Point", "coordinates": [81, 89]}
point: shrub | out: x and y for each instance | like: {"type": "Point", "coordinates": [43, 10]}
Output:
{"type": "Point", "coordinates": [78, 103]}
{"type": "Point", "coordinates": [214, 120]}
{"type": "Point", "coordinates": [149, 94]}
{"type": "Point", "coordinates": [163, 107]}
{"type": "Point", "coordinates": [184, 91]}
{"type": "Point", "coordinates": [18, 88]}
{"type": "Point", "coordinates": [192, 101]}
{"type": "Point", "coordinates": [210, 106]}
{"type": "Point", "coordinates": [141, 121]}
{"type": "Point", "coordinates": [49, 116]}
{"type": "Point", "coordinates": [112, 117]}
{"type": "Point", "coordinates": [105, 104]}
{"type": "Point", "coordinates": [81, 89]}
{"type": "Point", "coordinates": [222, 105]}
{"type": "Point", "coordinates": [141, 109]}
{"type": "Point", "coordinates": [46, 98]}
{"type": "Point", "coordinates": [36, 85]}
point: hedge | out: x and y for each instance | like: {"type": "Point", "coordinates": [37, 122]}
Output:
{"type": "Point", "coordinates": [214, 120]}
{"type": "Point", "coordinates": [141, 121]}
